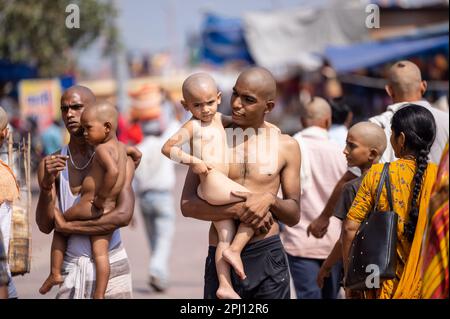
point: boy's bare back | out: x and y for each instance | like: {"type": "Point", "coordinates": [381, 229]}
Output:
{"type": "Point", "coordinates": [109, 155]}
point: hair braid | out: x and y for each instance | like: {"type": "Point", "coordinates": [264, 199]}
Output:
{"type": "Point", "coordinates": [421, 163]}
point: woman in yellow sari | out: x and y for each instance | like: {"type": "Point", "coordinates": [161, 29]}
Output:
{"type": "Point", "coordinates": [412, 178]}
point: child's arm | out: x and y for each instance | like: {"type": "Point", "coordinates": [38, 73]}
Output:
{"type": "Point", "coordinates": [172, 149]}
{"type": "Point", "coordinates": [105, 160]}
{"type": "Point", "coordinates": [120, 216]}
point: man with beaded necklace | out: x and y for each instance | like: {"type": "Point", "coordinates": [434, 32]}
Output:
{"type": "Point", "coordinates": [60, 175]}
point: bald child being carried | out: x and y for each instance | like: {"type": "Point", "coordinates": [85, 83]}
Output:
{"type": "Point", "coordinates": [209, 159]}
{"type": "Point", "coordinates": [99, 192]}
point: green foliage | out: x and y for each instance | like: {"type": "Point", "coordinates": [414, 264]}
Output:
{"type": "Point", "coordinates": [35, 32]}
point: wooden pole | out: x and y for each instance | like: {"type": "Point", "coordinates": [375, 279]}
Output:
{"type": "Point", "coordinates": [10, 150]}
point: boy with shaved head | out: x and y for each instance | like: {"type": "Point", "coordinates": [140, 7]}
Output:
{"type": "Point", "coordinates": [366, 143]}
{"type": "Point", "coordinates": [405, 86]}
{"type": "Point", "coordinates": [99, 191]}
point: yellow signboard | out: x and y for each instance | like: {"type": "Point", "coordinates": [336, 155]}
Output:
{"type": "Point", "coordinates": [40, 99]}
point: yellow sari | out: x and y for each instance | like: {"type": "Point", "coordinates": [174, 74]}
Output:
{"type": "Point", "coordinates": [436, 248]}
{"type": "Point", "coordinates": [407, 283]}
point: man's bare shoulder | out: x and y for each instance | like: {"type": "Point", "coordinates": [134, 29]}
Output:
{"type": "Point", "coordinates": [289, 147]}
{"type": "Point", "coordinates": [288, 142]}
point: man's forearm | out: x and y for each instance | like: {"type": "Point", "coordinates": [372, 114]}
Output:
{"type": "Point", "coordinates": [101, 226]}
{"type": "Point", "coordinates": [286, 210]}
{"type": "Point", "coordinates": [45, 211]}
{"type": "Point", "coordinates": [197, 208]}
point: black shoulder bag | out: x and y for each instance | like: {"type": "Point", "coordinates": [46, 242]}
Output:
{"type": "Point", "coordinates": [374, 246]}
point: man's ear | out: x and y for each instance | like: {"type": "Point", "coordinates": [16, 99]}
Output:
{"type": "Point", "coordinates": [183, 102]}
{"type": "Point", "coordinates": [423, 87]}
{"type": "Point", "coordinates": [269, 106]}
{"type": "Point", "coordinates": [389, 90]}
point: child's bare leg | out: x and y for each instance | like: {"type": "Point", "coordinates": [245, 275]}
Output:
{"type": "Point", "coordinates": [216, 188]}
{"type": "Point", "coordinates": [225, 230]}
{"type": "Point", "coordinates": [100, 252]}
{"type": "Point", "coordinates": [232, 254]}
{"type": "Point", "coordinates": [59, 244]}
{"type": "Point", "coordinates": [81, 211]}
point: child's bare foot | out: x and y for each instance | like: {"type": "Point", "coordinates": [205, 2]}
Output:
{"type": "Point", "coordinates": [234, 259]}
{"type": "Point", "coordinates": [227, 293]}
{"type": "Point", "coordinates": [52, 280]}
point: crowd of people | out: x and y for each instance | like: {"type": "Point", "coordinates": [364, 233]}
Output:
{"type": "Point", "coordinates": [282, 208]}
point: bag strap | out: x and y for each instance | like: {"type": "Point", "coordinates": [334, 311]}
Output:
{"type": "Point", "coordinates": [384, 173]}
{"type": "Point", "coordinates": [387, 182]}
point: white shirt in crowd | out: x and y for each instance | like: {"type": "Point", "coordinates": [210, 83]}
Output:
{"type": "Point", "coordinates": [156, 172]}
{"type": "Point", "coordinates": [384, 120]}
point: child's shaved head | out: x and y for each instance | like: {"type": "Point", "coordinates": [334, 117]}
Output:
{"type": "Point", "coordinates": [103, 111]}
{"type": "Point", "coordinates": [198, 82]}
{"type": "Point", "coordinates": [371, 135]}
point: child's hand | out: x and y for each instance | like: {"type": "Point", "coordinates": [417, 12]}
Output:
{"type": "Point", "coordinates": [98, 203]}
{"type": "Point", "coordinates": [201, 168]}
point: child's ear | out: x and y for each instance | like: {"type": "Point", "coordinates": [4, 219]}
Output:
{"type": "Point", "coordinates": [183, 102]}
{"type": "Point", "coordinates": [269, 106]}
{"type": "Point", "coordinates": [219, 97]}
{"type": "Point", "coordinates": [373, 154]}
{"type": "Point", "coordinates": [108, 127]}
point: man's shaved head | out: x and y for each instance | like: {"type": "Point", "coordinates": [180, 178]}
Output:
{"type": "Point", "coordinates": [369, 134]}
{"type": "Point", "coordinates": [86, 95]}
{"type": "Point", "coordinates": [3, 119]}
{"type": "Point", "coordinates": [198, 82]}
{"type": "Point", "coordinates": [103, 111]}
{"type": "Point", "coordinates": [261, 81]}
{"type": "Point", "coordinates": [316, 113]}
{"type": "Point", "coordinates": [317, 109]}
{"type": "Point", "coordinates": [405, 82]}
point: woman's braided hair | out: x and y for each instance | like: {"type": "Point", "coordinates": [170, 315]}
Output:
{"type": "Point", "coordinates": [419, 127]}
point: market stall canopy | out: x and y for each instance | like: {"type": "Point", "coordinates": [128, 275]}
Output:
{"type": "Point", "coordinates": [368, 54]}
{"type": "Point", "coordinates": [295, 37]}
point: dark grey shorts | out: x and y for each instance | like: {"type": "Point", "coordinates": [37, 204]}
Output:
{"type": "Point", "coordinates": [266, 267]}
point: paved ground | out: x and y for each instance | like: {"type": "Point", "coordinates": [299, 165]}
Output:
{"type": "Point", "coordinates": [186, 262]}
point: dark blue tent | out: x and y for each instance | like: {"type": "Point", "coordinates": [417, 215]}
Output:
{"type": "Point", "coordinates": [223, 40]}
{"type": "Point", "coordinates": [368, 54]}
{"type": "Point", "coordinates": [15, 72]}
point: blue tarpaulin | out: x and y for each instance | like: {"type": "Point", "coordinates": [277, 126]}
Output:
{"type": "Point", "coordinates": [15, 72]}
{"type": "Point", "coordinates": [223, 40]}
{"type": "Point", "coordinates": [369, 54]}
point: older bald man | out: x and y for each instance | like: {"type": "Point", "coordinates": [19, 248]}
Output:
{"type": "Point", "coordinates": [323, 163]}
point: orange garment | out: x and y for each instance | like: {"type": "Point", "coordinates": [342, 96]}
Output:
{"type": "Point", "coordinates": [436, 248]}
{"type": "Point", "coordinates": [9, 189]}
{"type": "Point", "coordinates": [407, 283]}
